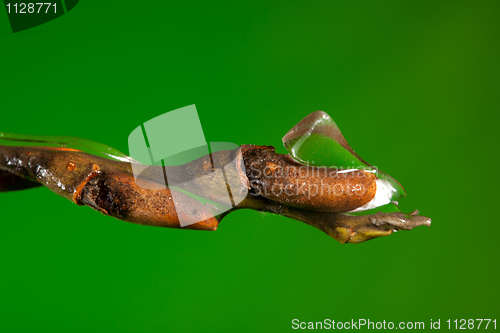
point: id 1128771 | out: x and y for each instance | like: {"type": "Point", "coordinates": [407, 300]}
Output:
{"type": "Point", "coordinates": [462, 324]}
{"type": "Point", "coordinates": [31, 8]}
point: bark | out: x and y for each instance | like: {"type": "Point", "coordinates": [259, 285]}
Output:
{"type": "Point", "coordinates": [279, 178]}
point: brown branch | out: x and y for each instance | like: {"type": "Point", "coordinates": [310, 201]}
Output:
{"type": "Point", "coordinates": [110, 187]}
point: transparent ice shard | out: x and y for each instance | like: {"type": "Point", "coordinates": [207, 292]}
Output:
{"type": "Point", "coordinates": [317, 141]}
{"type": "Point", "coordinates": [64, 142]}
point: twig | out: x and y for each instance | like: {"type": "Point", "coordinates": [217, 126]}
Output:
{"type": "Point", "coordinates": [110, 187]}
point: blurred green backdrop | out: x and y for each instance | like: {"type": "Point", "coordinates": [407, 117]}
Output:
{"type": "Point", "coordinates": [413, 85]}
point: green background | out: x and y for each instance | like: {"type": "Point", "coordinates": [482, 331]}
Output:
{"type": "Point", "coordinates": [413, 85]}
